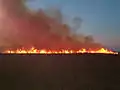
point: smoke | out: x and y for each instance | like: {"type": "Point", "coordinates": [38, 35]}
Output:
{"type": "Point", "coordinates": [76, 23]}
{"type": "Point", "coordinates": [20, 26]}
{"type": "Point", "coordinates": [55, 13]}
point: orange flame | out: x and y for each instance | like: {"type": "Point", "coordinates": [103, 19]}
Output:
{"type": "Point", "coordinates": [33, 50]}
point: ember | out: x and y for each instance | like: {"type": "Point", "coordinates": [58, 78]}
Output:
{"type": "Point", "coordinates": [33, 50]}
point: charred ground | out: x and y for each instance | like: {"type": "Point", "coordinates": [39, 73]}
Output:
{"type": "Point", "coordinates": [60, 72]}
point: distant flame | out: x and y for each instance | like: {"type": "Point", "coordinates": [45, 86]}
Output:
{"type": "Point", "coordinates": [33, 50]}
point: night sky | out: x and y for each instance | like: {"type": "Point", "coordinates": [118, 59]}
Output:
{"type": "Point", "coordinates": [101, 18]}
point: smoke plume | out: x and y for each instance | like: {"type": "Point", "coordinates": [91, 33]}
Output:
{"type": "Point", "coordinates": [20, 26]}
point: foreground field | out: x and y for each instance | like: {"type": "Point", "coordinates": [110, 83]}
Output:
{"type": "Point", "coordinates": [60, 72]}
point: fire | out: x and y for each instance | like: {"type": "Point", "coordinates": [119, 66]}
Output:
{"type": "Point", "coordinates": [33, 50]}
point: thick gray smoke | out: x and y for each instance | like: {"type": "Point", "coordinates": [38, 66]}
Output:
{"type": "Point", "coordinates": [20, 26]}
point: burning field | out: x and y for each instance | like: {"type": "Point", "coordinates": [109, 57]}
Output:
{"type": "Point", "coordinates": [63, 51]}
{"type": "Point", "coordinates": [39, 51]}
{"type": "Point", "coordinates": [43, 29]}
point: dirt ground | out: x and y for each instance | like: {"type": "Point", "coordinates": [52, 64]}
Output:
{"type": "Point", "coordinates": [60, 72]}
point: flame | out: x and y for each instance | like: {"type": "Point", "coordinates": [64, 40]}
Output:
{"type": "Point", "coordinates": [33, 50]}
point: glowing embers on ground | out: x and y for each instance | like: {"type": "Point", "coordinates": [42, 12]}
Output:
{"type": "Point", "coordinates": [33, 50]}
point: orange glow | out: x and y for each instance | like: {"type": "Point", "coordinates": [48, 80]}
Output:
{"type": "Point", "coordinates": [33, 50]}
